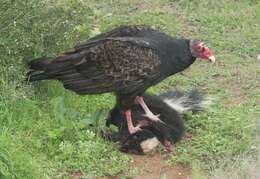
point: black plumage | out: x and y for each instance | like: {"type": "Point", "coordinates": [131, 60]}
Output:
{"type": "Point", "coordinates": [126, 60]}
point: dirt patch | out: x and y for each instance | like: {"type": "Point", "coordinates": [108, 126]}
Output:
{"type": "Point", "coordinates": [75, 175]}
{"type": "Point", "coordinates": [152, 166]}
{"type": "Point", "coordinates": [155, 167]}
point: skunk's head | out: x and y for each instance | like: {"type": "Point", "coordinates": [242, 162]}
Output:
{"type": "Point", "coordinates": [141, 142]}
{"type": "Point", "coordinates": [114, 117]}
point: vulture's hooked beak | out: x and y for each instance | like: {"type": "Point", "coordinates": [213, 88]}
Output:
{"type": "Point", "coordinates": [212, 59]}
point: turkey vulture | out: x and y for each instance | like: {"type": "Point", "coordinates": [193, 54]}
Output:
{"type": "Point", "coordinates": [170, 105]}
{"type": "Point", "coordinates": [126, 61]}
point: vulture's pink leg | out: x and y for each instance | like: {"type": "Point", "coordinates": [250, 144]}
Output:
{"type": "Point", "coordinates": [130, 125]}
{"type": "Point", "coordinates": [148, 112]}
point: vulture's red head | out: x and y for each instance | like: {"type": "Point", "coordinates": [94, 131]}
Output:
{"type": "Point", "coordinates": [201, 50]}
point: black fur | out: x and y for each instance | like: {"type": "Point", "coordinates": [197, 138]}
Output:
{"type": "Point", "coordinates": [172, 128]}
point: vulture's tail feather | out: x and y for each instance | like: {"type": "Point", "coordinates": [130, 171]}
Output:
{"type": "Point", "coordinates": [37, 67]}
{"type": "Point", "coordinates": [35, 76]}
{"type": "Point", "coordinates": [39, 63]}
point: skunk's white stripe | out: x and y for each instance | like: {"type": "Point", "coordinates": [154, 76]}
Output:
{"type": "Point", "coordinates": [177, 103]}
{"type": "Point", "coordinates": [207, 102]}
{"type": "Point", "coordinates": [149, 144]}
{"type": "Point", "coordinates": [182, 104]}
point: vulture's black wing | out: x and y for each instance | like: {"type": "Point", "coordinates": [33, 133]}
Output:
{"type": "Point", "coordinates": [122, 31]}
{"type": "Point", "coordinates": [106, 65]}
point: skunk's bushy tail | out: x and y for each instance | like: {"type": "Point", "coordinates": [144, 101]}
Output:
{"type": "Point", "coordinates": [194, 100]}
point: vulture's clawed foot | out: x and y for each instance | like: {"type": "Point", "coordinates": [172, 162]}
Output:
{"type": "Point", "coordinates": [148, 112]}
{"type": "Point", "coordinates": [152, 116]}
{"type": "Point", "coordinates": [133, 130]}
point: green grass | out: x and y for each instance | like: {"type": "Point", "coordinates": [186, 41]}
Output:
{"type": "Point", "coordinates": [43, 129]}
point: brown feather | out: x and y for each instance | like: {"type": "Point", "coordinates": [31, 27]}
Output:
{"type": "Point", "coordinates": [107, 65]}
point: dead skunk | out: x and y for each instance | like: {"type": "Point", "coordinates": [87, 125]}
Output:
{"type": "Point", "coordinates": [170, 106]}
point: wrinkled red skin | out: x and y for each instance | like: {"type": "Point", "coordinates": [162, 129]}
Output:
{"type": "Point", "coordinates": [206, 54]}
{"type": "Point", "coordinates": [201, 50]}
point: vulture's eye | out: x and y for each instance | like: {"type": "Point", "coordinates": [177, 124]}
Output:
{"type": "Point", "coordinates": [201, 49]}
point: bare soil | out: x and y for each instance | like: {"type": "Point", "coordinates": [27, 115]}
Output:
{"type": "Point", "coordinates": [154, 166]}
